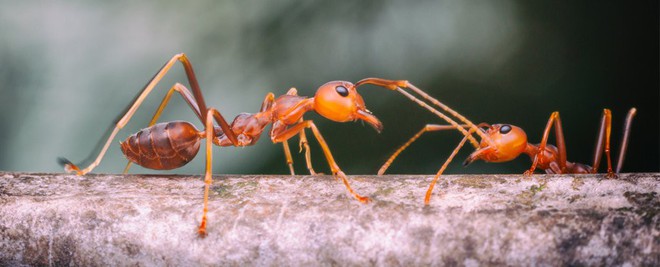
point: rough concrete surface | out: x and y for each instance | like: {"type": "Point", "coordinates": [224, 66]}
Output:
{"type": "Point", "coordinates": [58, 219]}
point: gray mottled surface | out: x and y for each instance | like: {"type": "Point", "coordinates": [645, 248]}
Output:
{"type": "Point", "coordinates": [55, 219]}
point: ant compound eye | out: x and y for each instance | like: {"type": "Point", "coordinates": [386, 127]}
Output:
{"type": "Point", "coordinates": [505, 129]}
{"type": "Point", "coordinates": [342, 91]}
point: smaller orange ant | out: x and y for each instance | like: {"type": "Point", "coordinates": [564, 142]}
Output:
{"type": "Point", "coordinates": [512, 141]}
{"type": "Point", "coordinates": [505, 142]}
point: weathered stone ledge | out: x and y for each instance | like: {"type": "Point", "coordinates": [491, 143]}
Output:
{"type": "Point", "coordinates": [57, 219]}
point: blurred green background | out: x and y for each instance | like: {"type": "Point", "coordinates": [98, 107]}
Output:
{"type": "Point", "coordinates": [69, 67]}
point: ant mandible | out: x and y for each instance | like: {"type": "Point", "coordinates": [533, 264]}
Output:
{"type": "Point", "coordinates": [505, 142]}
{"type": "Point", "coordinates": [170, 145]}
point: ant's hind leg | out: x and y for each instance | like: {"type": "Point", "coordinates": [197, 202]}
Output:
{"type": "Point", "coordinates": [209, 134]}
{"type": "Point", "coordinates": [208, 175]}
{"type": "Point", "coordinates": [603, 143]}
{"type": "Point", "coordinates": [137, 102]}
{"type": "Point", "coordinates": [624, 139]}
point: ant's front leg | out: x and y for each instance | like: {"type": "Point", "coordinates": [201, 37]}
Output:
{"type": "Point", "coordinates": [279, 127]}
{"type": "Point", "coordinates": [399, 84]}
{"type": "Point", "coordinates": [285, 134]}
{"type": "Point", "coordinates": [308, 153]}
{"type": "Point", "coordinates": [425, 129]}
{"type": "Point", "coordinates": [555, 121]}
{"type": "Point", "coordinates": [301, 144]}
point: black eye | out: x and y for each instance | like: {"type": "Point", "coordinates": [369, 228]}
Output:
{"type": "Point", "coordinates": [342, 90]}
{"type": "Point", "coordinates": [505, 129]}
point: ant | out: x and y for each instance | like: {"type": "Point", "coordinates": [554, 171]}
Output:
{"type": "Point", "coordinates": [505, 142]}
{"type": "Point", "coordinates": [170, 145]}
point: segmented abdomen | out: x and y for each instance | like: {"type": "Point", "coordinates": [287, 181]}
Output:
{"type": "Point", "coordinates": [163, 146]}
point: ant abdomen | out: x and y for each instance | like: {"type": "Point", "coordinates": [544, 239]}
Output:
{"type": "Point", "coordinates": [163, 146]}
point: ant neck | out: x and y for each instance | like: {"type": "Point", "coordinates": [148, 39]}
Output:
{"type": "Point", "coordinates": [531, 150]}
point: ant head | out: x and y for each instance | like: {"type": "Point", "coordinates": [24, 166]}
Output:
{"type": "Point", "coordinates": [339, 101]}
{"type": "Point", "coordinates": [508, 141]}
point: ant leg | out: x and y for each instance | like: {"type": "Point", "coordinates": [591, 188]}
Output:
{"type": "Point", "coordinates": [197, 93]}
{"type": "Point", "coordinates": [624, 139]}
{"type": "Point", "coordinates": [209, 132]}
{"type": "Point", "coordinates": [308, 158]}
{"type": "Point", "coordinates": [208, 175]}
{"type": "Point", "coordinates": [295, 129]}
{"type": "Point", "coordinates": [447, 119]}
{"type": "Point", "coordinates": [451, 112]}
{"type": "Point", "coordinates": [427, 198]}
{"type": "Point", "coordinates": [308, 153]}
{"type": "Point", "coordinates": [287, 154]}
{"type": "Point", "coordinates": [561, 145]}
{"type": "Point", "coordinates": [185, 93]}
{"type": "Point", "coordinates": [130, 111]}
{"type": "Point", "coordinates": [427, 128]}
{"type": "Point", "coordinates": [278, 126]}
{"type": "Point", "coordinates": [265, 106]}
{"type": "Point", "coordinates": [398, 84]}
{"type": "Point", "coordinates": [603, 142]}
{"type": "Point", "coordinates": [302, 143]}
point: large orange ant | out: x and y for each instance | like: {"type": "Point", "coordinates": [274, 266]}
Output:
{"type": "Point", "coordinates": [505, 142]}
{"type": "Point", "coordinates": [170, 145]}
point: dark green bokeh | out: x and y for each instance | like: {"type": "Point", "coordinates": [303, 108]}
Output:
{"type": "Point", "coordinates": [68, 69]}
